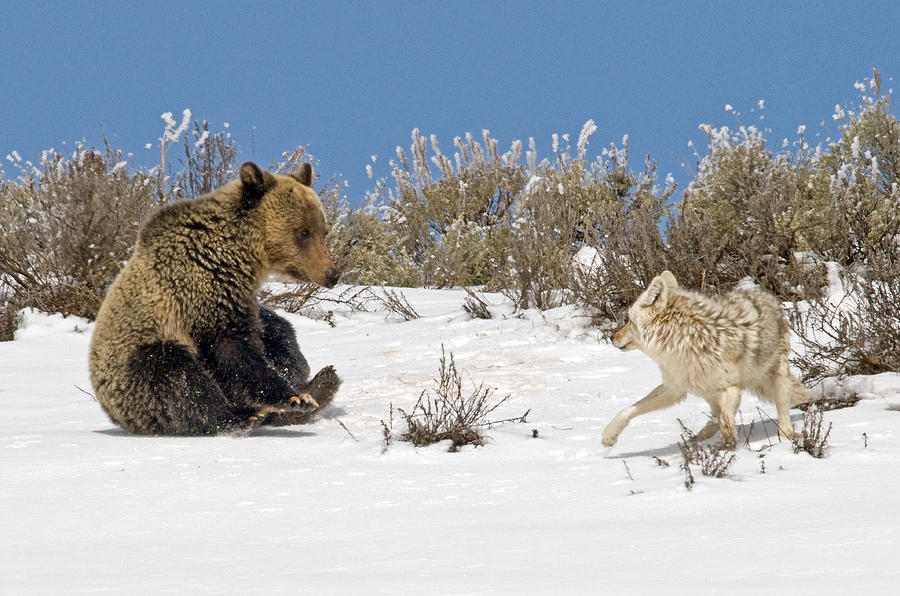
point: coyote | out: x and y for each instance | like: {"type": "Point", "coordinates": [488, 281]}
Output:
{"type": "Point", "coordinates": [712, 346]}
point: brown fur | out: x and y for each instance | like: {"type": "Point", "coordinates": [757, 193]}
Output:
{"type": "Point", "coordinates": [185, 304]}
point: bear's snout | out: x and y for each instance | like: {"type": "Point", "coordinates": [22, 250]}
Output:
{"type": "Point", "coordinates": [331, 277]}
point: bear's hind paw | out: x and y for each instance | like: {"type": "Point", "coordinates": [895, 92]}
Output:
{"type": "Point", "coordinates": [324, 385]}
{"type": "Point", "coordinates": [303, 402]}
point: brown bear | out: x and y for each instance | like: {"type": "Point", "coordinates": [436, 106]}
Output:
{"type": "Point", "coordinates": [181, 346]}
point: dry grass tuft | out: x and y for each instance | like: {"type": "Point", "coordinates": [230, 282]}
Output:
{"type": "Point", "coordinates": [814, 437]}
{"type": "Point", "coordinates": [445, 413]}
{"type": "Point", "coordinates": [713, 460]}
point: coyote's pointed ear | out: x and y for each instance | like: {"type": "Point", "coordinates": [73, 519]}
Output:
{"type": "Point", "coordinates": [669, 279]}
{"type": "Point", "coordinates": [303, 175]}
{"type": "Point", "coordinates": [657, 292]}
{"type": "Point", "coordinates": [254, 184]}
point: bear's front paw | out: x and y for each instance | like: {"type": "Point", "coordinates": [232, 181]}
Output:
{"type": "Point", "coordinates": [303, 402]}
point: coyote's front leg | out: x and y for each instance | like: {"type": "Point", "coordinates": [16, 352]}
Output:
{"type": "Point", "coordinates": [661, 397]}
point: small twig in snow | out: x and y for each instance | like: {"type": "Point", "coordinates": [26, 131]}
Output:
{"type": "Point", "coordinates": [88, 393]}
{"type": "Point", "coordinates": [348, 431]}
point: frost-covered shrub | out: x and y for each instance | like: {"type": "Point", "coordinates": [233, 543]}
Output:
{"type": "Point", "coordinates": [741, 216]}
{"type": "Point", "coordinates": [855, 209]}
{"type": "Point", "coordinates": [67, 224]}
{"type": "Point", "coordinates": [854, 220]}
{"type": "Point", "coordinates": [452, 216]}
{"type": "Point", "coordinates": [172, 131]}
{"type": "Point", "coordinates": [208, 162]}
{"type": "Point", "coordinates": [368, 253]}
{"type": "Point", "coordinates": [854, 328]}
{"type": "Point", "coordinates": [486, 219]}
{"type": "Point", "coordinates": [622, 211]}
{"type": "Point", "coordinates": [539, 247]}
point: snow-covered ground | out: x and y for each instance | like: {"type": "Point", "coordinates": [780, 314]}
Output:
{"type": "Point", "coordinates": [326, 509]}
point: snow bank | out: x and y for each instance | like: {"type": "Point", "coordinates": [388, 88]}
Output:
{"type": "Point", "coordinates": [324, 508]}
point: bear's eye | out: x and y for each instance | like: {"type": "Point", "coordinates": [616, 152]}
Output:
{"type": "Point", "coordinates": [303, 235]}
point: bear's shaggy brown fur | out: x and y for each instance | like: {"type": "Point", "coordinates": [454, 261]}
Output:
{"type": "Point", "coordinates": [181, 346]}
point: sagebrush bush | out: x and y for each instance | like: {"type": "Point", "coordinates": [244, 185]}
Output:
{"type": "Point", "coordinates": [547, 221]}
{"type": "Point", "coordinates": [513, 223]}
{"type": "Point", "coordinates": [855, 223]}
{"type": "Point", "coordinates": [446, 413]}
{"type": "Point", "coordinates": [741, 217]}
{"type": "Point", "coordinates": [9, 319]}
{"type": "Point", "coordinates": [623, 211]}
{"type": "Point", "coordinates": [855, 328]}
{"type": "Point", "coordinates": [66, 227]}
{"type": "Point", "coordinates": [452, 224]}
{"type": "Point", "coordinates": [208, 162]}
{"type": "Point", "coordinates": [368, 252]}
{"type": "Point", "coordinates": [539, 249]}
{"type": "Point", "coordinates": [854, 215]}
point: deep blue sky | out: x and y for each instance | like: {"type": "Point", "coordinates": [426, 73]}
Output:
{"type": "Point", "coordinates": [352, 79]}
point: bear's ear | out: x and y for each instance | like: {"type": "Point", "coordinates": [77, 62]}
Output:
{"type": "Point", "coordinates": [304, 175]}
{"type": "Point", "coordinates": [254, 184]}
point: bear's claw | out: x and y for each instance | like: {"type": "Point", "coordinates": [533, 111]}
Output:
{"type": "Point", "coordinates": [304, 401]}
{"type": "Point", "coordinates": [319, 391]}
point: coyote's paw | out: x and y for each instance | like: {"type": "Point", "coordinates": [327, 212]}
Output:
{"type": "Point", "coordinates": [790, 435]}
{"type": "Point", "coordinates": [610, 435]}
{"type": "Point", "coordinates": [711, 428]}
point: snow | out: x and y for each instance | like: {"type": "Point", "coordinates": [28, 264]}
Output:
{"type": "Point", "coordinates": [587, 130]}
{"type": "Point", "coordinates": [201, 140]}
{"type": "Point", "coordinates": [89, 509]}
{"type": "Point", "coordinates": [531, 185]}
{"type": "Point", "coordinates": [173, 132]}
{"type": "Point", "coordinates": [587, 260]}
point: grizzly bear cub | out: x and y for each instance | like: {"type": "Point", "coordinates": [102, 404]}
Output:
{"type": "Point", "coordinates": [181, 346]}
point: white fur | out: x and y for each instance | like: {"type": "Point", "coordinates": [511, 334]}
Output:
{"type": "Point", "coordinates": [711, 346]}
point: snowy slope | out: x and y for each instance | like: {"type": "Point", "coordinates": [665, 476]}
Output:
{"type": "Point", "coordinates": [89, 509]}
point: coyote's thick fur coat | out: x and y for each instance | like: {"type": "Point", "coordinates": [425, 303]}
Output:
{"type": "Point", "coordinates": [711, 346]}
